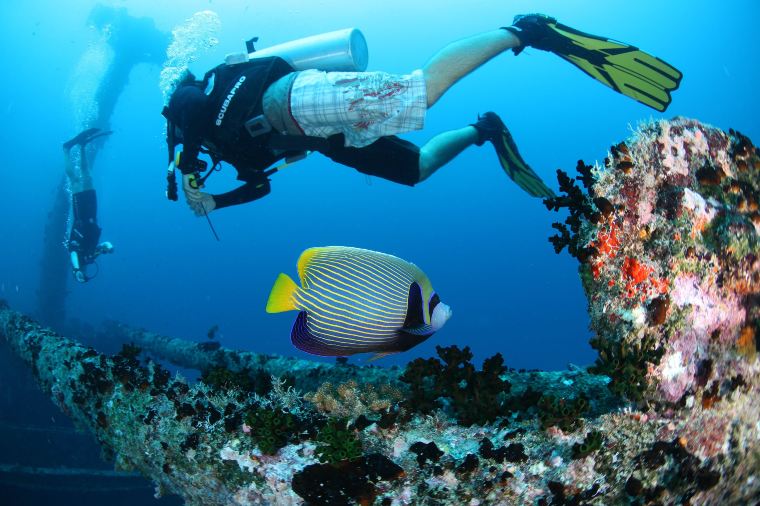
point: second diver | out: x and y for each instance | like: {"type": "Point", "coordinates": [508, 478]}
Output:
{"type": "Point", "coordinates": [84, 236]}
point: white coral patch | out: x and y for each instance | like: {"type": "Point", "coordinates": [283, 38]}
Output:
{"type": "Point", "coordinates": [400, 446]}
{"type": "Point", "coordinates": [637, 315]}
{"type": "Point", "coordinates": [693, 201]}
{"type": "Point", "coordinates": [673, 366]}
{"type": "Point", "coordinates": [244, 461]}
{"type": "Point", "coordinates": [538, 469]}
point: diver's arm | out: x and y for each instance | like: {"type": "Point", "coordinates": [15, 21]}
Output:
{"type": "Point", "coordinates": [243, 194]}
{"type": "Point", "coordinates": [188, 160]}
{"type": "Point", "coordinates": [193, 122]}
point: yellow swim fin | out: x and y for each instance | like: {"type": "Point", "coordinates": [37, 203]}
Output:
{"type": "Point", "coordinates": [622, 67]}
{"type": "Point", "coordinates": [282, 297]}
{"type": "Point", "coordinates": [491, 128]}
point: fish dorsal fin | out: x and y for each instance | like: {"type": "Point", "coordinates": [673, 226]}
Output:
{"type": "Point", "coordinates": [303, 262]}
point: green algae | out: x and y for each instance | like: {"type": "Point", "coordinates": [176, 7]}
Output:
{"type": "Point", "coordinates": [271, 429]}
{"type": "Point", "coordinates": [626, 364]}
{"type": "Point", "coordinates": [336, 443]}
{"type": "Point", "coordinates": [591, 443]}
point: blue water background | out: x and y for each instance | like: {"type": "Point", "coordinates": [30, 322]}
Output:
{"type": "Point", "coordinates": [482, 242]}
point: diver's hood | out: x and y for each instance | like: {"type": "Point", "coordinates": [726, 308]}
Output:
{"type": "Point", "coordinates": [175, 113]}
{"type": "Point", "coordinates": [180, 99]}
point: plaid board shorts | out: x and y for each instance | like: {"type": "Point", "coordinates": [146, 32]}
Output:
{"type": "Point", "coordinates": [363, 106]}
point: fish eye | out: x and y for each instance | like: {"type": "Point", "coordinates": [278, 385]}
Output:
{"type": "Point", "coordinates": [434, 301]}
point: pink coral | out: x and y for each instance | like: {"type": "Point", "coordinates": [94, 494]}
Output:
{"type": "Point", "coordinates": [706, 435]}
{"type": "Point", "coordinates": [711, 309]}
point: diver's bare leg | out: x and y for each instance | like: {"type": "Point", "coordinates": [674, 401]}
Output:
{"type": "Point", "coordinates": [442, 148]}
{"type": "Point", "coordinates": [71, 171]}
{"type": "Point", "coordinates": [459, 58]}
{"type": "Point", "coordinates": [77, 170]}
{"type": "Point", "coordinates": [86, 177]}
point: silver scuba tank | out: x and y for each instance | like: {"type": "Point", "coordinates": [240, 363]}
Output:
{"type": "Point", "coordinates": [339, 51]}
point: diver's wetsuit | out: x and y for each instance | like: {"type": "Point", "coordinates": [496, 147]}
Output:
{"type": "Point", "coordinates": [216, 119]}
{"type": "Point", "coordinates": [85, 232]}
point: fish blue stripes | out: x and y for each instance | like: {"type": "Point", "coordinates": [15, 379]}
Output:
{"type": "Point", "coordinates": [354, 300]}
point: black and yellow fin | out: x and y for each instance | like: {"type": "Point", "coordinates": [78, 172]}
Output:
{"type": "Point", "coordinates": [624, 68]}
{"type": "Point", "coordinates": [516, 168]}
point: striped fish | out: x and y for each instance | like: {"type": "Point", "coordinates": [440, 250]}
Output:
{"type": "Point", "coordinates": [354, 300]}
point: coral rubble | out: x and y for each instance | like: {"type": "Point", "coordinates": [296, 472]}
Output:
{"type": "Point", "coordinates": [666, 233]}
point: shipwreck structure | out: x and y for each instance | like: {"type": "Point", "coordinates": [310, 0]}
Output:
{"type": "Point", "coordinates": [666, 234]}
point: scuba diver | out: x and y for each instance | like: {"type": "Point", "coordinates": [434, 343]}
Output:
{"type": "Point", "coordinates": [258, 111]}
{"type": "Point", "coordinates": [83, 239]}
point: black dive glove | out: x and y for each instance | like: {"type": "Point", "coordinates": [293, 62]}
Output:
{"type": "Point", "coordinates": [532, 30]}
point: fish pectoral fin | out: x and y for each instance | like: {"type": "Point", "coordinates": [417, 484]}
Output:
{"type": "Point", "coordinates": [420, 330]}
{"type": "Point", "coordinates": [380, 355]}
{"type": "Point", "coordinates": [282, 296]}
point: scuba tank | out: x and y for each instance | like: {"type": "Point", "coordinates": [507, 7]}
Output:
{"type": "Point", "coordinates": [340, 51]}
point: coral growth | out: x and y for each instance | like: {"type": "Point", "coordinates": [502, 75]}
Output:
{"type": "Point", "coordinates": [271, 429]}
{"type": "Point", "coordinates": [347, 483]}
{"type": "Point", "coordinates": [426, 452]}
{"type": "Point", "coordinates": [591, 443]}
{"type": "Point", "coordinates": [351, 400]}
{"type": "Point", "coordinates": [562, 413]}
{"type": "Point", "coordinates": [336, 442]}
{"type": "Point", "coordinates": [244, 380]}
{"type": "Point", "coordinates": [626, 364]}
{"type": "Point", "coordinates": [476, 396]}
{"type": "Point", "coordinates": [671, 225]}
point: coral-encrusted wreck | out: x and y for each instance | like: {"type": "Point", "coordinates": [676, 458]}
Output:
{"type": "Point", "coordinates": [666, 232]}
{"type": "Point", "coordinates": [672, 256]}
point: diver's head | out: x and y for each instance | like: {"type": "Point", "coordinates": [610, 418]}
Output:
{"type": "Point", "coordinates": [183, 100]}
{"type": "Point", "coordinates": [186, 78]}
{"type": "Point", "coordinates": [441, 314]}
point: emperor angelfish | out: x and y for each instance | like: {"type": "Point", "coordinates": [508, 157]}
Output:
{"type": "Point", "coordinates": [355, 300]}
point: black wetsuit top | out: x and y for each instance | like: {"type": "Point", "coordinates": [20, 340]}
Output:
{"type": "Point", "coordinates": [216, 121]}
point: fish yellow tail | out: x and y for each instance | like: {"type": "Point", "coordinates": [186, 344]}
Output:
{"type": "Point", "coordinates": [282, 297]}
